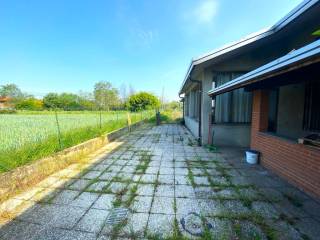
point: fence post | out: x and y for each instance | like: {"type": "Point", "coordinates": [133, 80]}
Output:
{"type": "Point", "coordinates": [100, 119]}
{"type": "Point", "coordinates": [58, 129]}
{"type": "Point", "coordinates": [129, 122]}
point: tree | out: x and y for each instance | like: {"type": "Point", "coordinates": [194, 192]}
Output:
{"type": "Point", "coordinates": [30, 103]}
{"type": "Point", "coordinates": [105, 95]}
{"type": "Point", "coordinates": [11, 90]}
{"type": "Point", "coordinates": [51, 100]}
{"type": "Point", "coordinates": [142, 101]}
{"type": "Point", "coordinates": [86, 100]}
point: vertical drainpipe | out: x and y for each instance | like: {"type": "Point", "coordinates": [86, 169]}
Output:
{"type": "Point", "coordinates": [182, 98]}
{"type": "Point", "coordinates": [200, 101]}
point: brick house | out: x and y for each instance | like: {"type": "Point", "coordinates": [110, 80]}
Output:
{"type": "Point", "coordinates": [262, 92]}
{"type": "Point", "coordinates": [227, 120]}
{"type": "Point", "coordinates": [5, 102]}
{"type": "Point", "coordinates": [286, 115]}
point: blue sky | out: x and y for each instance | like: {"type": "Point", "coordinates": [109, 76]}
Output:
{"type": "Point", "coordinates": [67, 46]}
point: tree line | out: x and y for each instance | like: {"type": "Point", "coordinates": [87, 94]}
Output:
{"type": "Point", "coordinates": [103, 97]}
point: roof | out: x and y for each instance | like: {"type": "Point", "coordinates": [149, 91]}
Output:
{"type": "Point", "coordinates": [297, 11]}
{"type": "Point", "coordinates": [4, 99]}
{"type": "Point", "coordinates": [302, 55]}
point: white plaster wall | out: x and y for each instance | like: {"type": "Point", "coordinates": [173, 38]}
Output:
{"type": "Point", "coordinates": [192, 125]}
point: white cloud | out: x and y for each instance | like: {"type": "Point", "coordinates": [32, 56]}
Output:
{"type": "Point", "coordinates": [145, 37]}
{"type": "Point", "coordinates": [206, 11]}
{"type": "Point", "coordinates": [203, 13]}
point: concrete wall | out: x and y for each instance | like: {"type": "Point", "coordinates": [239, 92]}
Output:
{"type": "Point", "coordinates": [206, 105]}
{"type": "Point", "coordinates": [231, 135]}
{"type": "Point", "coordinates": [192, 125]}
{"type": "Point", "coordinates": [290, 111]}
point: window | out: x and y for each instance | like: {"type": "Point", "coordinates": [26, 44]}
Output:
{"type": "Point", "coordinates": [311, 118]}
{"type": "Point", "coordinates": [234, 106]}
{"type": "Point", "coordinates": [273, 110]}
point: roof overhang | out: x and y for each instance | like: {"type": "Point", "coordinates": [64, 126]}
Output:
{"type": "Point", "coordinates": [299, 58]}
{"type": "Point", "coordinates": [292, 15]}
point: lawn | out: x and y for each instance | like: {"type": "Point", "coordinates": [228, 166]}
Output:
{"type": "Point", "coordinates": [28, 136]}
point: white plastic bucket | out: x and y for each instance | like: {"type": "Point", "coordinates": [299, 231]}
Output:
{"type": "Point", "coordinates": [252, 156]}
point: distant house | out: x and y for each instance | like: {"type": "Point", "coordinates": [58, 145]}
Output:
{"type": "Point", "coordinates": [263, 92]}
{"type": "Point", "coordinates": [5, 103]}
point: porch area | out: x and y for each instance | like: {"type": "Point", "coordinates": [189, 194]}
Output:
{"type": "Point", "coordinates": [158, 183]}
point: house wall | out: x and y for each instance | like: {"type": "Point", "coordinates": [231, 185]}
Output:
{"type": "Point", "coordinates": [231, 135]}
{"type": "Point", "coordinates": [192, 125]}
{"type": "Point", "coordinates": [297, 163]}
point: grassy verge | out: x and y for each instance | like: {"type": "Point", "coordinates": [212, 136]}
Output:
{"type": "Point", "coordinates": [168, 116]}
{"type": "Point", "coordinates": [13, 158]}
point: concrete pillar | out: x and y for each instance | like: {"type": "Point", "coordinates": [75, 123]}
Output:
{"type": "Point", "coordinates": [206, 105]}
{"type": "Point", "coordinates": [191, 104]}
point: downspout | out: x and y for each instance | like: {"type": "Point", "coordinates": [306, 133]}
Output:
{"type": "Point", "coordinates": [182, 98]}
{"type": "Point", "coordinates": [200, 101]}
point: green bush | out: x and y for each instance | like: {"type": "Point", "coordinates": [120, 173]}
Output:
{"type": "Point", "coordinates": [143, 101]}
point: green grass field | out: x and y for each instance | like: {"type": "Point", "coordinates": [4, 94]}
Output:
{"type": "Point", "coordinates": [28, 136]}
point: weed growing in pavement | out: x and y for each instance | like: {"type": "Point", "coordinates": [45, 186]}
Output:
{"type": "Point", "coordinates": [294, 200]}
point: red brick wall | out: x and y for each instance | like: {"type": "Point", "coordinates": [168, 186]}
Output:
{"type": "Point", "coordinates": [297, 163]}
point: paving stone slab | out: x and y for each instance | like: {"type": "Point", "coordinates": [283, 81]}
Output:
{"type": "Point", "coordinates": [142, 204]}
{"type": "Point", "coordinates": [221, 228]}
{"type": "Point", "coordinates": [187, 205]}
{"type": "Point", "coordinates": [15, 230]}
{"type": "Point", "coordinates": [92, 221]}
{"type": "Point", "coordinates": [117, 187]}
{"type": "Point", "coordinates": [209, 207]}
{"type": "Point", "coordinates": [136, 225]}
{"type": "Point", "coordinates": [145, 189]}
{"type": "Point", "coordinates": [98, 186]}
{"type": "Point", "coordinates": [235, 207]}
{"type": "Point", "coordinates": [149, 178]}
{"type": "Point", "coordinates": [162, 205]}
{"type": "Point", "coordinates": [79, 184]}
{"type": "Point", "coordinates": [104, 202]}
{"type": "Point", "coordinates": [63, 234]}
{"type": "Point", "coordinates": [92, 174]}
{"type": "Point", "coordinates": [165, 191]}
{"type": "Point", "coordinates": [182, 180]}
{"type": "Point", "coordinates": [265, 209]}
{"type": "Point", "coordinates": [184, 191]}
{"type": "Point", "coordinates": [160, 225]}
{"type": "Point", "coordinates": [166, 179]}
{"type": "Point", "coordinates": [108, 176]}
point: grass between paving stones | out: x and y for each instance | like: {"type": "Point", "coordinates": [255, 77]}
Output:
{"type": "Point", "coordinates": [145, 158]}
{"type": "Point", "coordinates": [215, 186]}
{"type": "Point", "coordinates": [294, 200]}
{"type": "Point", "coordinates": [190, 175]}
{"type": "Point", "coordinates": [254, 218]}
{"type": "Point", "coordinates": [156, 138]}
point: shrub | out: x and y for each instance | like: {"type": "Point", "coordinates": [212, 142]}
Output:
{"type": "Point", "coordinates": [142, 101]}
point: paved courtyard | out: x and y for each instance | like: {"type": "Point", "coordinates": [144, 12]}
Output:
{"type": "Point", "coordinates": [159, 184]}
